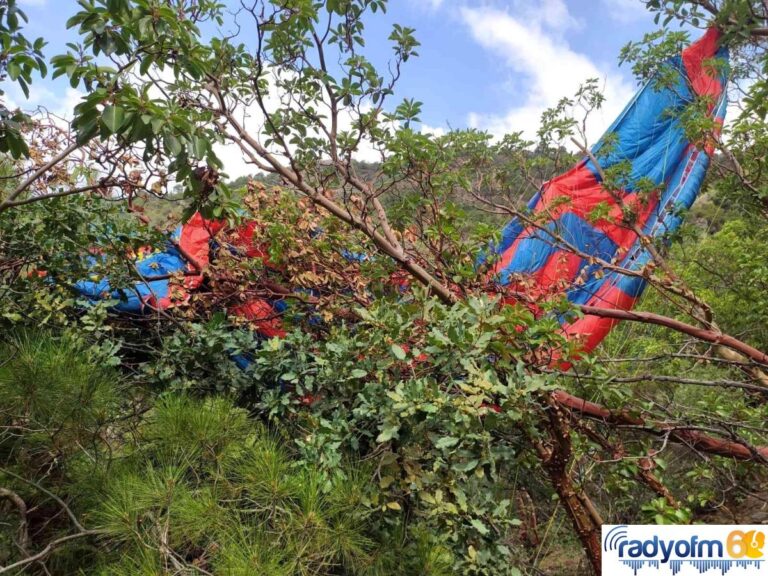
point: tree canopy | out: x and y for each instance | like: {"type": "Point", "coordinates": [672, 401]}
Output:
{"type": "Point", "coordinates": [411, 418]}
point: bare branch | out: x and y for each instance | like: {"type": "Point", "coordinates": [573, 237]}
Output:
{"type": "Point", "coordinates": [700, 333]}
{"type": "Point", "coordinates": [21, 506]}
{"type": "Point", "coordinates": [70, 192]}
{"type": "Point", "coordinates": [46, 551]}
{"type": "Point", "coordinates": [687, 435]}
{"type": "Point", "coordinates": [38, 173]}
{"type": "Point", "coordinates": [47, 492]}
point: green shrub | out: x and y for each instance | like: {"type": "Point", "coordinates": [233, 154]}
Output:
{"type": "Point", "coordinates": [185, 486]}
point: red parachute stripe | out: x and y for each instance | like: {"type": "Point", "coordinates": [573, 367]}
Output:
{"type": "Point", "coordinates": [195, 240]}
{"type": "Point", "coordinates": [701, 76]}
{"type": "Point", "coordinates": [592, 329]}
{"type": "Point", "coordinates": [265, 319]}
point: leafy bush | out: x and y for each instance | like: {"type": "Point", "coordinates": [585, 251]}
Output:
{"type": "Point", "coordinates": [183, 486]}
{"type": "Point", "coordinates": [431, 394]}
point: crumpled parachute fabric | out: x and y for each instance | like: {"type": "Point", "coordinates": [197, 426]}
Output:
{"type": "Point", "coordinates": [582, 225]}
{"type": "Point", "coordinates": [562, 253]}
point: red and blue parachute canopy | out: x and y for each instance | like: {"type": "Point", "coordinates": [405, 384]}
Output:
{"type": "Point", "coordinates": [576, 222]}
{"type": "Point", "coordinates": [562, 253]}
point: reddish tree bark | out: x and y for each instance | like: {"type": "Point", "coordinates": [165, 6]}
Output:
{"type": "Point", "coordinates": [693, 438]}
{"type": "Point", "coordinates": [700, 333]}
{"type": "Point", "coordinates": [555, 456]}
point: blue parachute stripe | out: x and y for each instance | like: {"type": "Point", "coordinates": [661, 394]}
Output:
{"type": "Point", "coordinates": [631, 285]}
{"type": "Point", "coordinates": [509, 234]}
{"type": "Point", "coordinates": [513, 229]}
{"type": "Point", "coordinates": [683, 187]}
{"type": "Point", "coordinates": [241, 360]}
{"type": "Point", "coordinates": [584, 236]}
{"type": "Point", "coordinates": [161, 263]}
{"type": "Point", "coordinates": [647, 132]}
{"type": "Point", "coordinates": [679, 195]}
{"type": "Point", "coordinates": [531, 254]}
{"type": "Point", "coordinates": [681, 192]}
{"type": "Point", "coordinates": [132, 299]}
{"type": "Point", "coordinates": [534, 250]}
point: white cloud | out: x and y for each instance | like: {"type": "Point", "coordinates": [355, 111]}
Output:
{"type": "Point", "coordinates": [626, 11]}
{"type": "Point", "coordinates": [38, 96]}
{"type": "Point", "coordinates": [552, 14]}
{"type": "Point", "coordinates": [433, 130]}
{"type": "Point", "coordinates": [431, 4]}
{"type": "Point", "coordinates": [546, 67]}
{"type": "Point", "coordinates": [59, 104]}
{"type": "Point", "coordinates": [66, 105]}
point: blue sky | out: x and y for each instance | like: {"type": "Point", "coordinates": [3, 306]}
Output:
{"type": "Point", "coordinates": [497, 64]}
{"type": "Point", "coordinates": [490, 64]}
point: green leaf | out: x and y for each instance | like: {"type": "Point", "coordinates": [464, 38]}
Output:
{"type": "Point", "coordinates": [113, 118]}
{"type": "Point", "coordinates": [465, 466]}
{"type": "Point", "coordinates": [386, 482]}
{"type": "Point", "coordinates": [13, 70]}
{"type": "Point", "coordinates": [388, 432]}
{"type": "Point", "coordinates": [16, 145]}
{"type": "Point", "coordinates": [398, 352]}
{"type": "Point", "coordinates": [480, 527]}
{"type": "Point", "coordinates": [199, 147]}
{"type": "Point", "coordinates": [172, 145]}
{"type": "Point", "coordinates": [446, 442]}
{"type": "Point", "coordinates": [24, 87]}
{"type": "Point", "coordinates": [146, 62]}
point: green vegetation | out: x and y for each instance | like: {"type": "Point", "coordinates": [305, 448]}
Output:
{"type": "Point", "coordinates": [183, 481]}
{"type": "Point", "coordinates": [407, 422]}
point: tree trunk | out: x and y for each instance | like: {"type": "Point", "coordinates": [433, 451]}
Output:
{"type": "Point", "coordinates": [556, 456]}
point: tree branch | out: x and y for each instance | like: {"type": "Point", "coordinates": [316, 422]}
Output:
{"type": "Point", "coordinates": [38, 173]}
{"type": "Point", "coordinates": [701, 333]}
{"type": "Point", "coordinates": [21, 506]}
{"type": "Point", "coordinates": [47, 550]}
{"type": "Point", "coordinates": [680, 435]}
{"type": "Point", "coordinates": [69, 192]}
{"type": "Point", "coordinates": [47, 492]}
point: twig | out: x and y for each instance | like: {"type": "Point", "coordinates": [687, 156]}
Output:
{"type": "Point", "coordinates": [47, 550]}
{"type": "Point", "coordinates": [21, 506]}
{"type": "Point", "coordinates": [47, 492]}
{"type": "Point", "coordinates": [37, 173]}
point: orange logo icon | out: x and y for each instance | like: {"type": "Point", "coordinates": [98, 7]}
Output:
{"type": "Point", "coordinates": [745, 544]}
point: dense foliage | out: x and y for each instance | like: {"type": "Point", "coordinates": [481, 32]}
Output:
{"type": "Point", "coordinates": [411, 421]}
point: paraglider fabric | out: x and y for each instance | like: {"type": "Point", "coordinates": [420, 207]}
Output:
{"type": "Point", "coordinates": [576, 224]}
